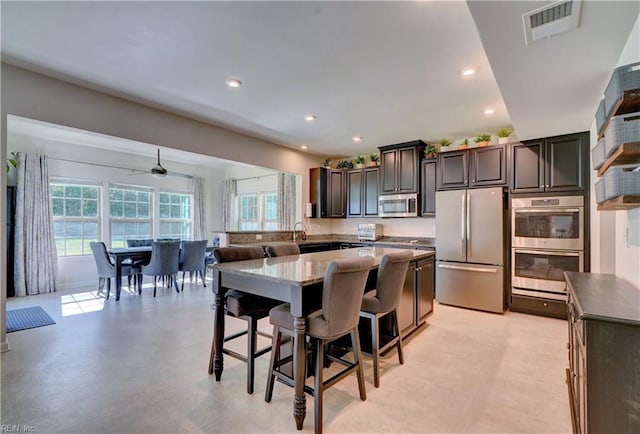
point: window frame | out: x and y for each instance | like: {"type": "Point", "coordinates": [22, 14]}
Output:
{"type": "Point", "coordinates": [150, 220]}
{"type": "Point", "coordinates": [261, 211]}
{"type": "Point", "coordinates": [172, 220]}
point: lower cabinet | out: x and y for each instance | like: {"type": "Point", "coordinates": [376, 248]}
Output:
{"type": "Point", "coordinates": [318, 247]}
{"type": "Point", "coordinates": [416, 303]}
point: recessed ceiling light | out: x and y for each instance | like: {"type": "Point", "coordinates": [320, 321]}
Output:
{"type": "Point", "coordinates": [304, 147]}
{"type": "Point", "coordinates": [489, 111]}
{"type": "Point", "coordinates": [468, 71]}
{"type": "Point", "coordinates": [357, 139]}
{"type": "Point", "coordinates": [310, 118]}
{"type": "Point", "coordinates": [234, 82]}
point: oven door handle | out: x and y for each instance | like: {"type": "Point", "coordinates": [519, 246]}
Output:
{"type": "Point", "coordinates": [548, 252]}
{"type": "Point", "coordinates": [545, 210]}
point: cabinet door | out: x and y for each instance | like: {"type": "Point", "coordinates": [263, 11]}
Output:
{"type": "Point", "coordinates": [488, 166]}
{"type": "Point", "coordinates": [389, 171]}
{"type": "Point", "coordinates": [565, 163]}
{"type": "Point", "coordinates": [354, 193]}
{"type": "Point", "coordinates": [406, 307]}
{"type": "Point", "coordinates": [528, 167]}
{"type": "Point", "coordinates": [428, 187]}
{"type": "Point", "coordinates": [452, 170]}
{"type": "Point", "coordinates": [371, 192]}
{"type": "Point", "coordinates": [408, 175]}
{"type": "Point", "coordinates": [424, 289]}
{"type": "Point", "coordinates": [337, 200]}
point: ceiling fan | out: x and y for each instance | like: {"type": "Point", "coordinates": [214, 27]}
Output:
{"type": "Point", "coordinates": [158, 171]}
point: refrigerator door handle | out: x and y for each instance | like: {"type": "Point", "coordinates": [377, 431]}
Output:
{"type": "Point", "coordinates": [468, 226]}
{"type": "Point", "coordinates": [463, 236]}
{"type": "Point", "coordinates": [479, 270]}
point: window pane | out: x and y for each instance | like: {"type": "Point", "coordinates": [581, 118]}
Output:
{"type": "Point", "coordinates": [116, 209]}
{"type": "Point", "coordinates": [90, 192]}
{"type": "Point", "coordinates": [57, 205]}
{"type": "Point", "coordinates": [90, 208]}
{"type": "Point", "coordinates": [143, 210]}
{"type": "Point", "coordinates": [73, 191]}
{"type": "Point", "coordinates": [115, 194]}
{"type": "Point", "coordinates": [130, 195]}
{"type": "Point", "coordinates": [56, 190]}
{"type": "Point", "coordinates": [130, 210]}
{"type": "Point", "coordinates": [73, 207]}
{"type": "Point", "coordinates": [165, 211]}
{"type": "Point", "coordinates": [175, 211]}
{"type": "Point", "coordinates": [165, 197]}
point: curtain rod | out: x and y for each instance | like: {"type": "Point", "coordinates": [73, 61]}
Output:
{"type": "Point", "coordinates": [255, 177]}
{"type": "Point", "coordinates": [117, 167]}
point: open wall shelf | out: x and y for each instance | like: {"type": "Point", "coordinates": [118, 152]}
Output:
{"type": "Point", "coordinates": [620, 203]}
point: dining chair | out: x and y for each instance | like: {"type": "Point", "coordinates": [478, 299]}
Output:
{"type": "Point", "coordinates": [342, 293]}
{"type": "Point", "coordinates": [192, 258]}
{"type": "Point", "coordinates": [248, 307]}
{"type": "Point", "coordinates": [383, 301]}
{"type": "Point", "coordinates": [107, 269]}
{"type": "Point", "coordinates": [139, 242]}
{"type": "Point", "coordinates": [287, 249]}
{"type": "Point", "coordinates": [164, 262]}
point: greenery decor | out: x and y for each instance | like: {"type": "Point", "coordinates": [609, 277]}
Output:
{"type": "Point", "coordinates": [359, 159]}
{"type": "Point", "coordinates": [344, 164]}
{"type": "Point", "coordinates": [503, 132]}
{"type": "Point", "coordinates": [374, 157]}
{"type": "Point", "coordinates": [483, 138]}
{"type": "Point", "coordinates": [327, 163]}
{"type": "Point", "coordinates": [464, 144]}
{"type": "Point", "coordinates": [430, 150]}
{"type": "Point", "coordinates": [444, 142]}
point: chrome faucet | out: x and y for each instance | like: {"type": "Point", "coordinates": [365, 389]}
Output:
{"type": "Point", "coordinates": [304, 231]}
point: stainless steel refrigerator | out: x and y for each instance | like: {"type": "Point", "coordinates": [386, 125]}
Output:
{"type": "Point", "coordinates": [470, 248]}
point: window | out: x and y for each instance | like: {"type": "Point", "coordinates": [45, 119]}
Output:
{"type": "Point", "coordinates": [258, 211]}
{"type": "Point", "coordinates": [175, 215]}
{"type": "Point", "coordinates": [76, 217]}
{"type": "Point", "coordinates": [129, 214]}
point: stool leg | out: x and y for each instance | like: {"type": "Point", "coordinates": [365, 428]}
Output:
{"type": "Point", "coordinates": [251, 352]}
{"type": "Point", "coordinates": [318, 391]}
{"type": "Point", "coordinates": [357, 358]}
{"type": "Point", "coordinates": [375, 349]}
{"type": "Point", "coordinates": [399, 344]}
{"type": "Point", "coordinates": [275, 357]}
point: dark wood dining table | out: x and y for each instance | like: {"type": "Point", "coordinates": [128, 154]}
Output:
{"type": "Point", "coordinates": [295, 279]}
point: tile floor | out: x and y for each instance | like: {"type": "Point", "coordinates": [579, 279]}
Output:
{"type": "Point", "coordinates": [140, 366]}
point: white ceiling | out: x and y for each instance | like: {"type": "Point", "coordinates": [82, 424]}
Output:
{"type": "Point", "coordinates": [387, 71]}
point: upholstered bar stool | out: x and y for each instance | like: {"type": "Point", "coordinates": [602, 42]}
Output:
{"type": "Point", "coordinates": [384, 301]}
{"type": "Point", "coordinates": [248, 307]}
{"type": "Point", "coordinates": [342, 293]}
{"type": "Point", "coordinates": [282, 250]}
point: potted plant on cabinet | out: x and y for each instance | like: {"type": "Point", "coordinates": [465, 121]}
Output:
{"type": "Point", "coordinates": [344, 164]}
{"type": "Point", "coordinates": [431, 150]}
{"type": "Point", "coordinates": [503, 135]}
{"type": "Point", "coordinates": [327, 164]}
{"type": "Point", "coordinates": [359, 161]}
{"type": "Point", "coordinates": [483, 139]}
{"type": "Point", "coordinates": [374, 157]}
{"type": "Point", "coordinates": [464, 144]}
{"type": "Point", "coordinates": [444, 144]}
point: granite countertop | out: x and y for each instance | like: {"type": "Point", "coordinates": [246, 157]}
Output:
{"type": "Point", "coordinates": [604, 297]}
{"type": "Point", "coordinates": [308, 268]}
{"type": "Point", "coordinates": [395, 242]}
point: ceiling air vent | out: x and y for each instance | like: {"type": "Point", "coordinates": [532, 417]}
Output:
{"type": "Point", "coordinates": [552, 19]}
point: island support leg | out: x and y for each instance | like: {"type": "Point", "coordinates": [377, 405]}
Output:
{"type": "Point", "coordinates": [216, 361]}
{"type": "Point", "coordinates": [299, 371]}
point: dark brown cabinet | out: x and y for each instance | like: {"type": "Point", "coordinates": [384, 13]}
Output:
{"type": "Point", "coordinates": [328, 192]}
{"type": "Point", "coordinates": [428, 187]}
{"type": "Point", "coordinates": [416, 302]}
{"type": "Point", "coordinates": [400, 167]}
{"type": "Point", "coordinates": [603, 376]}
{"type": "Point", "coordinates": [469, 168]}
{"type": "Point", "coordinates": [362, 192]}
{"type": "Point", "coordinates": [550, 164]}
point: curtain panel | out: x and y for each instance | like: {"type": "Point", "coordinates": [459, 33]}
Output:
{"type": "Point", "coordinates": [286, 201]}
{"type": "Point", "coordinates": [36, 261]}
{"type": "Point", "coordinates": [230, 221]}
{"type": "Point", "coordinates": [199, 221]}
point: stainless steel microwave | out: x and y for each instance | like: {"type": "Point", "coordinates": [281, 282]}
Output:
{"type": "Point", "coordinates": [398, 205]}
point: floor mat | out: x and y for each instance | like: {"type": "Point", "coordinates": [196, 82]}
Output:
{"type": "Point", "coordinates": [27, 318]}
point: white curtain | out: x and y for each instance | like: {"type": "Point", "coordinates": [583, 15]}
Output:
{"type": "Point", "coordinates": [36, 262]}
{"type": "Point", "coordinates": [228, 201]}
{"type": "Point", "coordinates": [199, 221]}
{"type": "Point", "coordinates": [287, 199]}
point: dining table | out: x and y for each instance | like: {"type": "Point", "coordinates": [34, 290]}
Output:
{"type": "Point", "coordinates": [296, 279]}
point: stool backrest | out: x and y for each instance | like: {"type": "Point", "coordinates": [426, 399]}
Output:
{"type": "Point", "coordinates": [282, 250]}
{"type": "Point", "coordinates": [344, 285]}
{"type": "Point", "coordinates": [391, 276]}
{"type": "Point", "coordinates": [231, 254]}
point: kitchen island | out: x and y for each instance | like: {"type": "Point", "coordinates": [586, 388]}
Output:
{"type": "Point", "coordinates": [296, 279]}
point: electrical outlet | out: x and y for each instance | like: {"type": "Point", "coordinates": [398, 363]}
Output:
{"type": "Point", "coordinates": [258, 236]}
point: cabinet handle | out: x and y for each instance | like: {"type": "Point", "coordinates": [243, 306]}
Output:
{"type": "Point", "coordinates": [568, 346]}
{"type": "Point", "coordinates": [545, 304]}
{"type": "Point", "coordinates": [473, 180]}
{"type": "Point", "coordinates": [542, 186]}
{"type": "Point", "coordinates": [547, 186]}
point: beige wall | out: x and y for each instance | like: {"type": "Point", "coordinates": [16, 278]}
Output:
{"type": "Point", "coordinates": [616, 234]}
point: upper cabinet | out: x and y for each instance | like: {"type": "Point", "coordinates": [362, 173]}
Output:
{"type": "Point", "coordinates": [362, 192]}
{"type": "Point", "coordinates": [400, 167]}
{"type": "Point", "coordinates": [328, 192]}
{"type": "Point", "coordinates": [428, 188]}
{"type": "Point", "coordinates": [476, 167]}
{"type": "Point", "coordinates": [551, 164]}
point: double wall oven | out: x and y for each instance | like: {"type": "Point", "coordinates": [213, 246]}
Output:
{"type": "Point", "coordinates": [547, 240]}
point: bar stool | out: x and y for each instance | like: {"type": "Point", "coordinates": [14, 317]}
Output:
{"type": "Point", "coordinates": [382, 301]}
{"type": "Point", "coordinates": [248, 307]}
{"type": "Point", "coordinates": [342, 292]}
{"type": "Point", "coordinates": [282, 250]}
